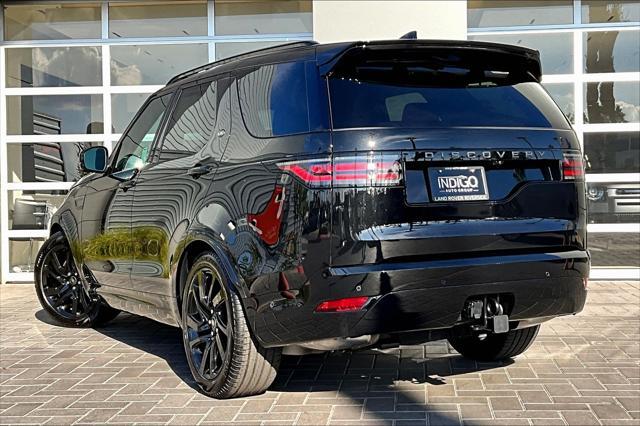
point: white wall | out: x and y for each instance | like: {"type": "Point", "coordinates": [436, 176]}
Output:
{"type": "Point", "coordinates": [348, 20]}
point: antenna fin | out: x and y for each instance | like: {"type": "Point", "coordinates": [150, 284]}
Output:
{"type": "Point", "coordinates": [411, 35]}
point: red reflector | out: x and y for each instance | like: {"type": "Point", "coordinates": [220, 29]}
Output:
{"type": "Point", "coordinates": [341, 305]}
{"type": "Point", "coordinates": [572, 167]}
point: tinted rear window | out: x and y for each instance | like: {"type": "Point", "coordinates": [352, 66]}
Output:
{"type": "Point", "coordinates": [445, 90]}
{"type": "Point", "coordinates": [273, 100]}
{"type": "Point", "coordinates": [356, 104]}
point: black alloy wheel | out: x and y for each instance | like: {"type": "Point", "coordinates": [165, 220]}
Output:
{"type": "Point", "coordinates": [207, 323]}
{"type": "Point", "coordinates": [61, 284]}
{"type": "Point", "coordinates": [60, 288]}
{"type": "Point", "coordinates": [223, 357]}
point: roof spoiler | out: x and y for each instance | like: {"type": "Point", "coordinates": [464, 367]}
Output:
{"type": "Point", "coordinates": [524, 59]}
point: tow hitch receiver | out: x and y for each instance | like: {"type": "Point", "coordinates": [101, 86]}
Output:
{"type": "Point", "coordinates": [487, 314]}
{"type": "Point", "coordinates": [501, 323]}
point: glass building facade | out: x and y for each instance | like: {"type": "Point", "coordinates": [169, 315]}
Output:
{"type": "Point", "coordinates": [590, 53]}
{"type": "Point", "coordinates": [73, 73]}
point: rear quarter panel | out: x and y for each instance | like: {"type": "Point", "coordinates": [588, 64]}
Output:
{"type": "Point", "coordinates": [273, 229]}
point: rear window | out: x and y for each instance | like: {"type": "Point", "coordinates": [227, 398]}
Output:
{"type": "Point", "coordinates": [438, 92]}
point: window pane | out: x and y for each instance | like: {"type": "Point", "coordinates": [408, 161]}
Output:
{"type": "Point", "coordinates": [22, 253]}
{"type": "Point", "coordinates": [46, 161]}
{"type": "Point", "coordinates": [618, 249]}
{"type": "Point", "coordinates": [54, 114]}
{"type": "Point", "coordinates": [158, 19]}
{"type": "Point", "coordinates": [263, 17]}
{"type": "Point", "coordinates": [372, 104]}
{"type": "Point", "coordinates": [609, 102]}
{"type": "Point", "coordinates": [154, 64]}
{"type": "Point", "coordinates": [124, 107]}
{"type": "Point", "coordinates": [136, 144]}
{"type": "Point", "coordinates": [562, 94]}
{"type": "Point", "coordinates": [54, 66]}
{"type": "Point", "coordinates": [224, 50]}
{"type": "Point", "coordinates": [611, 51]}
{"type": "Point", "coordinates": [556, 50]}
{"type": "Point", "coordinates": [610, 11]}
{"type": "Point", "coordinates": [273, 100]}
{"type": "Point", "coordinates": [504, 13]}
{"type": "Point", "coordinates": [52, 21]}
{"type": "Point", "coordinates": [613, 152]}
{"type": "Point", "coordinates": [33, 209]}
{"type": "Point", "coordinates": [192, 122]}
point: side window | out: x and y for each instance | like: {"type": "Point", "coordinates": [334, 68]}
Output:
{"type": "Point", "coordinates": [273, 100]}
{"type": "Point", "coordinates": [192, 122]}
{"type": "Point", "coordinates": [137, 142]}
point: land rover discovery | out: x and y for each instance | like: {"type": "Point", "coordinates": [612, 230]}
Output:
{"type": "Point", "coordinates": [313, 197]}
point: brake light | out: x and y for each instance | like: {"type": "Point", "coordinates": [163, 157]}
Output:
{"type": "Point", "coordinates": [341, 305]}
{"type": "Point", "coordinates": [572, 167]}
{"type": "Point", "coordinates": [366, 170]}
{"type": "Point", "coordinates": [316, 173]}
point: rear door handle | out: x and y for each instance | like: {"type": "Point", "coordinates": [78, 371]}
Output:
{"type": "Point", "coordinates": [127, 184]}
{"type": "Point", "coordinates": [197, 171]}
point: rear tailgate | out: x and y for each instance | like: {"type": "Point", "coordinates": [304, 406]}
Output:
{"type": "Point", "coordinates": [528, 206]}
{"type": "Point", "coordinates": [466, 156]}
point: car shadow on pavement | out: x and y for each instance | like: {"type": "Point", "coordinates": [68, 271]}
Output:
{"type": "Point", "coordinates": [405, 384]}
{"type": "Point", "coordinates": [390, 384]}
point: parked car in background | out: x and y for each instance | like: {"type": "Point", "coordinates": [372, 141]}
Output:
{"type": "Point", "coordinates": [614, 202]}
{"type": "Point", "coordinates": [313, 197]}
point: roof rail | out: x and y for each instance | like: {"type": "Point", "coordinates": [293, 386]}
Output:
{"type": "Point", "coordinates": [212, 65]}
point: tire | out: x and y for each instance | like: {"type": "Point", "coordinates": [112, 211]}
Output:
{"type": "Point", "coordinates": [223, 357]}
{"type": "Point", "coordinates": [493, 347]}
{"type": "Point", "coordinates": [60, 291]}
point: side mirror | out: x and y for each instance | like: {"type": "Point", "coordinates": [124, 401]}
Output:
{"type": "Point", "coordinates": [94, 159]}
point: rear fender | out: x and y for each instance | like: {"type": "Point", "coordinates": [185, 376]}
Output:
{"type": "Point", "coordinates": [207, 236]}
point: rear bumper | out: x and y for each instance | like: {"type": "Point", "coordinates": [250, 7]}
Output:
{"type": "Point", "coordinates": [435, 308]}
{"type": "Point", "coordinates": [431, 295]}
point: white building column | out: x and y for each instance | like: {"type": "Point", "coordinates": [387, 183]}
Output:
{"type": "Point", "coordinates": [348, 20]}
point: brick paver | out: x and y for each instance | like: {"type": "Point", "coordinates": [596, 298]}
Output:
{"type": "Point", "coordinates": [582, 370]}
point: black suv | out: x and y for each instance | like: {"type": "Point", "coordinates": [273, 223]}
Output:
{"type": "Point", "coordinates": [313, 197]}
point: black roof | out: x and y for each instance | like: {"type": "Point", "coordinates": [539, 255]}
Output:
{"type": "Point", "coordinates": [328, 54]}
{"type": "Point", "coordinates": [254, 53]}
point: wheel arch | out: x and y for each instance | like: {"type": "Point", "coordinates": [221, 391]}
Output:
{"type": "Point", "coordinates": [195, 243]}
{"type": "Point", "coordinates": [56, 227]}
{"type": "Point", "coordinates": [65, 221]}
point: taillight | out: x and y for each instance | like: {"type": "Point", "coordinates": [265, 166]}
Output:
{"type": "Point", "coordinates": [572, 167]}
{"type": "Point", "coordinates": [371, 170]}
{"type": "Point", "coordinates": [315, 173]}
{"type": "Point", "coordinates": [341, 305]}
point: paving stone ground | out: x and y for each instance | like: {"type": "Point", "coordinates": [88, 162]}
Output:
{"type": "Point", "coordinates": [582, 370]}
